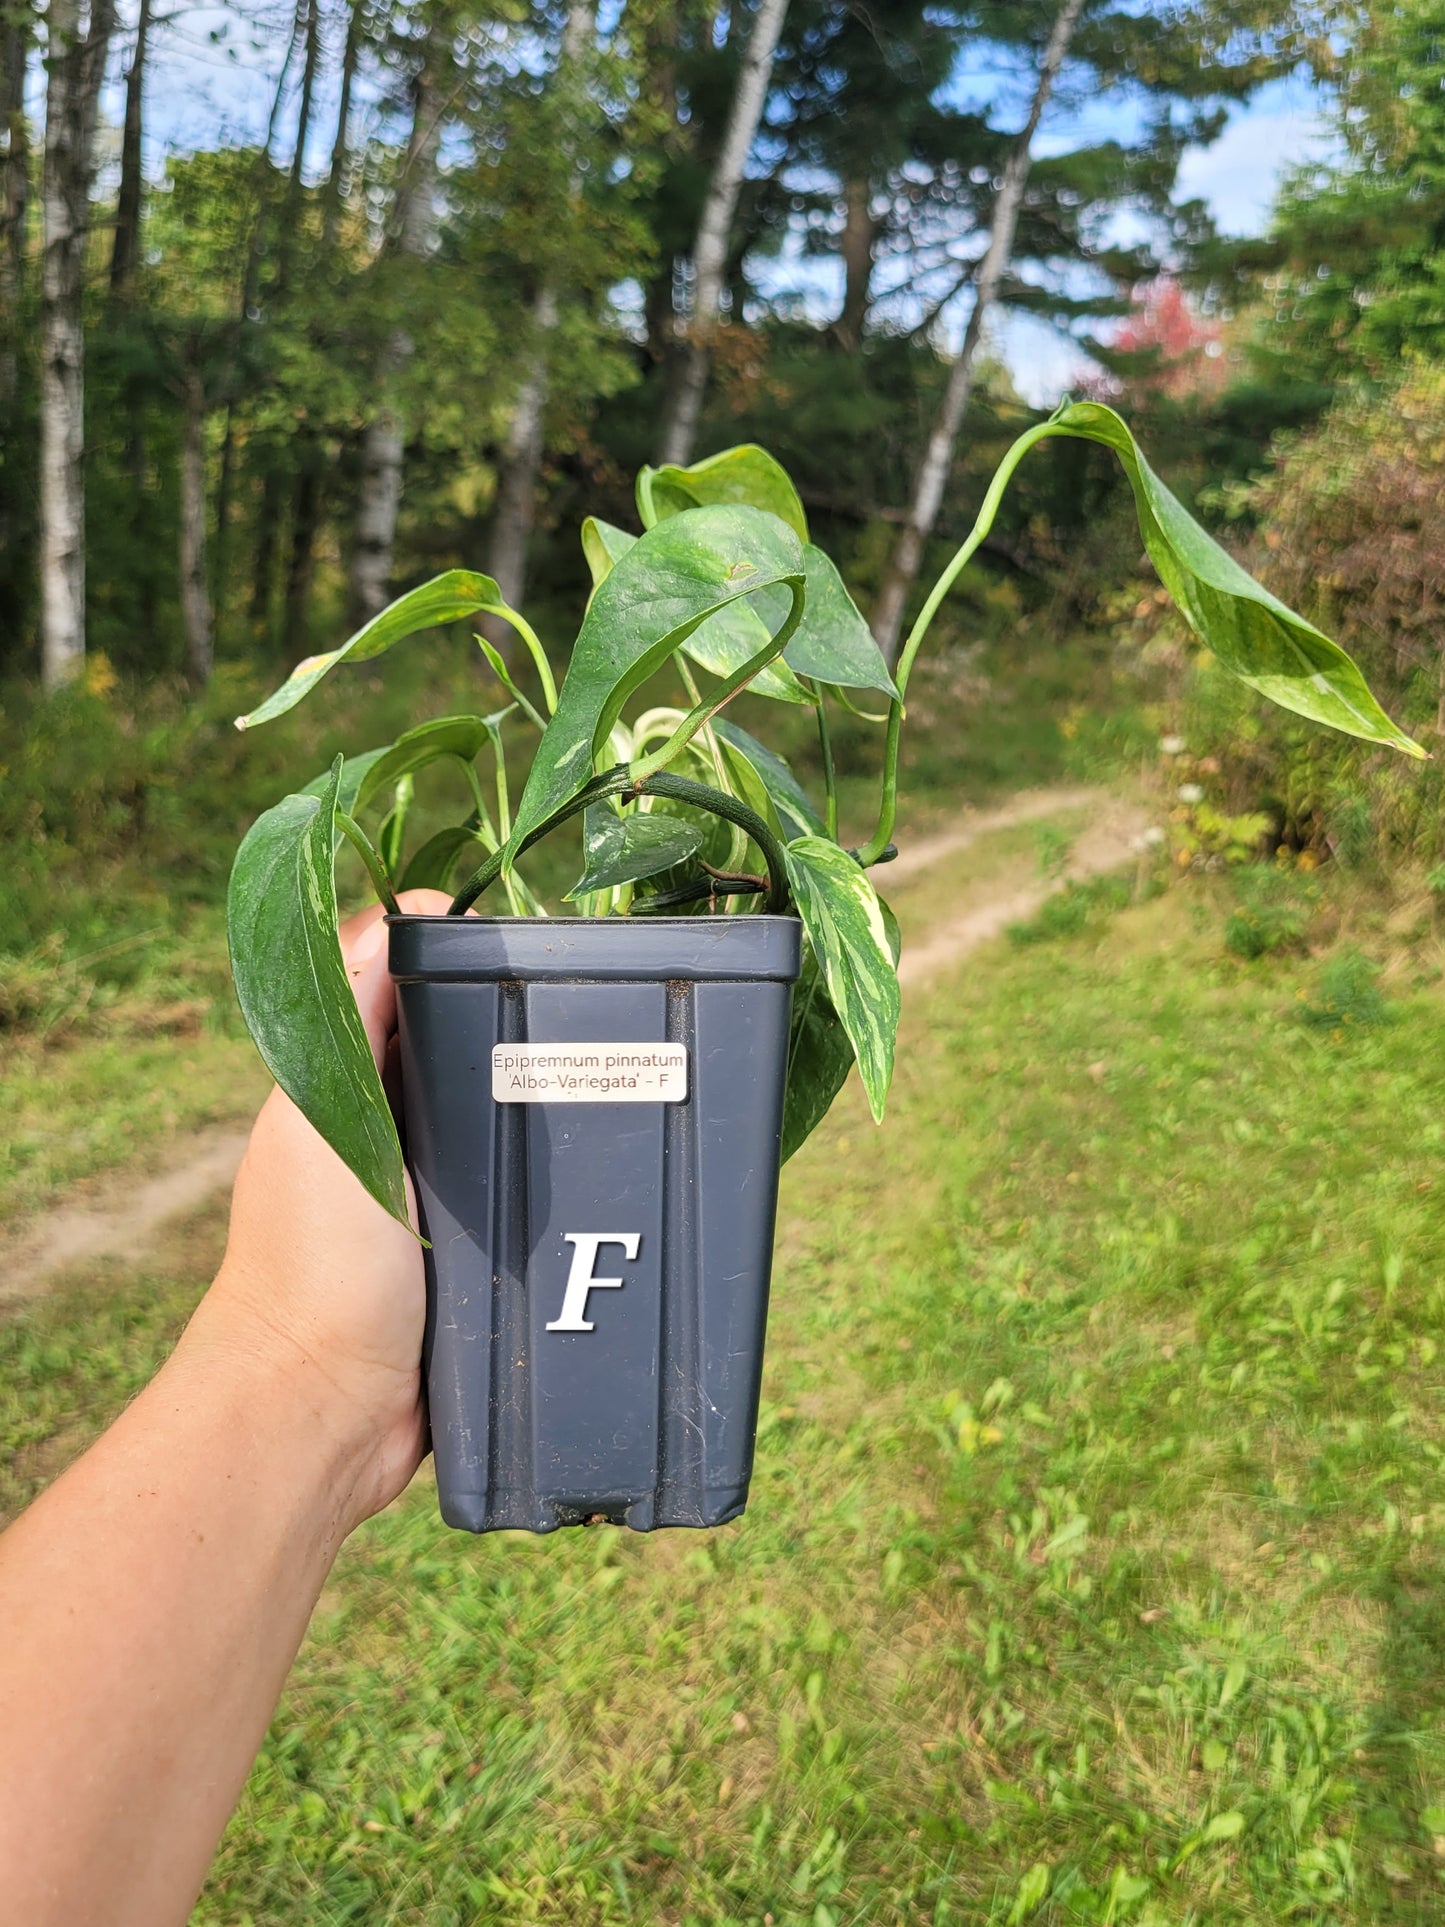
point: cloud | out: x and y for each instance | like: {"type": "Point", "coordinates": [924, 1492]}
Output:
{"type": "Point", "coordinates": [1239, 175]}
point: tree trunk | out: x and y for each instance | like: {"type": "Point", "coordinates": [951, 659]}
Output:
{"type": "Point", "coordinates": [522, 456]}
{"type": "Point", "coordinates": [268, 530]}
{"type": "Point", "coordinates": [195, 594]}
{"type": "Point", "coordinates": [938, 457]}
{"type": "Point", "coordinates": [338, 177]}
{"type": "Point", "coordinates": [860, 231]}
{"type": "Point", "coordinates": [521, 464]}
{"type": "Point", "coordinates": [305, 515]}
{"type": "Point", "coordinates": [76, 65]}
{"type": "Point", "coordinates": [308, 31]}
{"type": "Point", "coordinates": [385, 442]}
{"type": "Point", "coordinates": [710, 252]}
{"type": "Point", "coordinates": [14, 183]}
{"type": "Point", "coordinates": [125, 248]}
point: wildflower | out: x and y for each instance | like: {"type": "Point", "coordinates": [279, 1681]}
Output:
{"type": "Point", "coordinates": [1190, 793]}
{"type": "Point", "coordinates": [1171, 745]}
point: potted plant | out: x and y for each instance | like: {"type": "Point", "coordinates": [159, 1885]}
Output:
{"type": "Point", "coordinates": [597, 1104]}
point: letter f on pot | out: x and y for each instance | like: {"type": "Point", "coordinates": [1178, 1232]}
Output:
{"type": "Point", "coordinates": [580, 1281]}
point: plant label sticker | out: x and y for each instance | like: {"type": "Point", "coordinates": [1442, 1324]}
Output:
{"type": "Point", "coordinates": [589, 1073]}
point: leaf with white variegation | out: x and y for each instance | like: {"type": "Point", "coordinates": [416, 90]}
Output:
{"type": "Point", "coordinates": [820, 1055]}
{"type": "Point", "coordinates": [849, 935]}
{"type": "Point", "coordinates": [446, 598]}
{"type": "Point", "coordinates": [294, 991]}
{"type": "Point", "coordinates": [1253, 634]}
{"type": "Point", "coordinates": [662, 589]}
{"type": "Point", "coordinates": [626, 849]}
{"type": "Point", "coordinates": [721, 644]}
{"type": "Point", "coordinates": [790, 800]}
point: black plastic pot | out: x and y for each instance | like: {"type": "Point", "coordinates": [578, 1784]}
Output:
{"type": "Point", "coordinates": [602, 1226]}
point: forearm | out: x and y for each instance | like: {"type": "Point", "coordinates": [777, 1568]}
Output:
{"type": "Point", "coordinates": [151, 1604]}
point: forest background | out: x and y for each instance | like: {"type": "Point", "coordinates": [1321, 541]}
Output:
{"type": "Point", "coordinates": [470, 265]}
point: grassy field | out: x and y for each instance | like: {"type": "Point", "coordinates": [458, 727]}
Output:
{"type": "Point", "coordinates": [1095, 1567]}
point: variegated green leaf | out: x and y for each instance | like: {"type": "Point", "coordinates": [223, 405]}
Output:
{"type": "Point", "coordinates": [721, 644]}
{"type": "Point", "coordinates": [625, 849]}
{"type": "Point", "coordinates": [447, 598]}
{"type": "Point", "coordinates": [846, 928]}
{"type": "Point", "coordinates": [790, 800]}
{"type": "Point", "coordinates": [1253, 633]}
{"type": "Point", "coordinates": [294, 991]}
{"type": "Point", "coordinates": [661, 590]}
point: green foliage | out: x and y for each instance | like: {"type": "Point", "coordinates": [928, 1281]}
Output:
{"type": "Point", "coordinates": [1074, 910]}
{"type": "Point", "coordinates": [1274, 909]}
{"type": "Point", "coordinates": [1348, 995]}
{"type": "Point", "coordinates": [288, 971]}
{"type": "Point", "coordinates": [721, 558]}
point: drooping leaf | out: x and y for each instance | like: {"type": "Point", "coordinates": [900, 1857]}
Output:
{"type": "Point", "coordinates": [845, 925]}
{"type": "Point", "coordinates": [431, 866]}
{"type": "Point", "coordinates": [625, 849]}
{"type": "Point", "coordinates": [666, 585]}
{"type": "Point", "coordinates": [446, 598]}
{"type": "Point", "coordinates": [820, 1056]}
{"type": "Point", "coordinates": [460, 736]}
{"type": "Point", "coordinates": [1251, 632]}
{"type": "Point", "coordinates": [748, 475]}
{"type": "Point", "coordinates": [726, 640]}
{"type": "Point", "coordinates": [790, 800]}
{"type": "Point", "coordinates": [294, 991]}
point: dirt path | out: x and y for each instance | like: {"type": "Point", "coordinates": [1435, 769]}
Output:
{"type": "Point", "coordinates": [121, 1219]}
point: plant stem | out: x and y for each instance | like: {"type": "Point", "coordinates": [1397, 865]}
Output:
{"type": "Point", "coordinates": [830, 775]}
{"type": "Point", "coordinates": [737, 845]}
{"type": "Point", "coordinates": [535, 650]}
{"type": "Point", "coordinates": [364, 848]}
{"type": "Point", "coordinates": [504, 677]}
{"type": "Point", "coordinates": [1003, 475]}
{"type": "Point", "coordinates": [703, 712]}
{"type": "Point", "coordinates": [621, 781]}
{"type": "Point", "coordinates": [479, 804]}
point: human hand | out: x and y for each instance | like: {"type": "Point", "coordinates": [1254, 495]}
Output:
{"type": "Point", "coordinates": [318, 1279]}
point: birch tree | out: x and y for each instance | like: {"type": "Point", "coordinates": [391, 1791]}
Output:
{"type": "Point", "coordinates": [710, 251]}
{"type": "Point", "coordinates": [384, 448]}
{"type": "Point", "coordinates": [16, 30]}
{"type": "Point", "coordinates": [125, 245]}
{"type": "Point", "coordinates": [938, 456]}
{"type": "Point", "coordinates": [78, 44]}
{"type": "Point", "coordinates": [522, 452]}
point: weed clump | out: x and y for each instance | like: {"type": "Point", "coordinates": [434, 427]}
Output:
{"type": "Point", "coordinates": [1274, 911]}
{"type": "Point", "coordinates": [1349, 996]}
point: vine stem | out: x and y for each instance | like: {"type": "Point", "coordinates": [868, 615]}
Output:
{"type": "Point", "coordinates": [703, 712]}
{"type": "Point", "coordinates": [1003, 475]}
{"type": "Point", "coordinates": [366, 850]}
{"type": "Point", "coordinates": [830, 774]}
{"type": "Point", "coordinates": [621, 781]}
